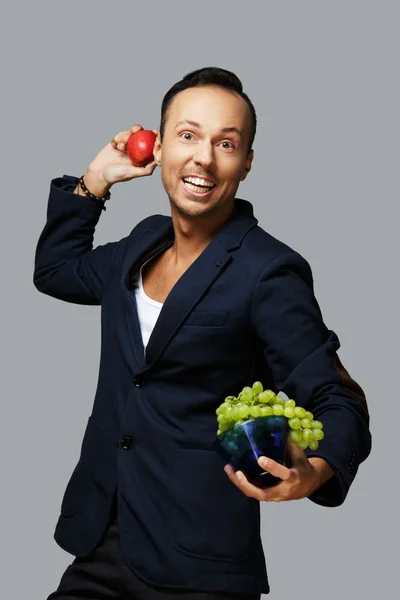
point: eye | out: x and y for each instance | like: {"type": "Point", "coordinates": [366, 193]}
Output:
{"type": "Point", "coordinates": [230, 146]}
{"type": "Point", "coordinates": [185, 133]}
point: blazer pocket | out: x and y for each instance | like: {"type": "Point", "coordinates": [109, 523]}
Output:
{"type": "Point", "coordinates": [210, 518]}
{"type": "Point", "coordinates": [206, 318]}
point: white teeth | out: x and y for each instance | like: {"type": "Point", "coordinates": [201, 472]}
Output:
{"type": "Point", "coordinates": [197, 181]}
{"type": "Point", "coordinates": [199, 190]}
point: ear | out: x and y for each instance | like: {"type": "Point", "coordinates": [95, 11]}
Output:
{"type": "Point", "coordinates": [157, 151]}
{"type": "Point", "coordinates": [247, 165]}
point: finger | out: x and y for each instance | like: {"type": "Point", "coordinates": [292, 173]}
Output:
{"type": "Point", "coordinates": [230, 471]}
{"type": "Point", "coordinates": [134, 171]}
{"type": "Point", "coordinates": [250, 490]}
{"type": "Point", "coordinates": [239, 479]}
{"type": "Point", "coordinates": [276, 493]}
{"type": "Point", "coordinates": [275, 468]}
{"type": "Point", "coordinates": [149, 168]}
{"type": "Point", "coordinates": [120, 140]}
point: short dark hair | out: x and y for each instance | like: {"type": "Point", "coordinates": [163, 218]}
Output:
{"type": "Point", "coordinates": [208, 76]}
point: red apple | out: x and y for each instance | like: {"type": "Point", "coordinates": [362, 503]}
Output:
{"type": "Point", "coordinates": [140, 147]}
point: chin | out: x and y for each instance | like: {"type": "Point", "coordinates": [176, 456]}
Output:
{"type": "Point", "coordinates": [187, 204]}
{"type": "Point", "coordinates": [190, 207]}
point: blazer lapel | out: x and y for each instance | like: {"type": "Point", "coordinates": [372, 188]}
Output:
{"type": "Point", "coordinates": [148, 245]}
{"type": "Point", "coordinates": [191, 286]}
{"type": "Point", "coordinates": [184, 296]}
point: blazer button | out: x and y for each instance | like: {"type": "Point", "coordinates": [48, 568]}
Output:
{"type": "Point", "coordinates": [127, 442]}
{"type": "Point", "coordinates": [138, 382]}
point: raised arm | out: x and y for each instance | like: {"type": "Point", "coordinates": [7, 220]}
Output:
{"type": "Point", "coordinates": [66, 265]}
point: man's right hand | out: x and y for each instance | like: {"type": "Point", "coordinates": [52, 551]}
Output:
{"type": "Point", "coordinates": [112, 165]}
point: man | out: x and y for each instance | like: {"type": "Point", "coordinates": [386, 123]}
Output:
{"type": "Point", "coordinates": [194, 307]}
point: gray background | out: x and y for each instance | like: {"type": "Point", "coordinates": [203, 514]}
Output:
{"type": "Point", "coordinates": [324, 80]}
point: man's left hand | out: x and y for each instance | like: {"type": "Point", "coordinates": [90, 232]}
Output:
{"type": "Point", "coordinates": [304, 477]}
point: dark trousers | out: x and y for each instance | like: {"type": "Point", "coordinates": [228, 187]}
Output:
{"type": "Point", "coordinates": [104, 575]}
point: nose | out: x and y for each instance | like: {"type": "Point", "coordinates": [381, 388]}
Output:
{"type": "Point", "coordinates": [204, 154]}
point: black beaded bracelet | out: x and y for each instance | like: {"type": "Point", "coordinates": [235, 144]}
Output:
{"type": "Point", "coordinates": [87, 193]}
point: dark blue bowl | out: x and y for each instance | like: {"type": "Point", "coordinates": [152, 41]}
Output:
{"type": "Point", "coordinates": [247, 441]}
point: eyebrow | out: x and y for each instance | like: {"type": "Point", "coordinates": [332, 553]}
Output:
{"type": "Point", "coordinates": [198, 126]}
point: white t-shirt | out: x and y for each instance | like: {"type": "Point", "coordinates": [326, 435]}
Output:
{"type": "Point", "coordinates": [148, 309]}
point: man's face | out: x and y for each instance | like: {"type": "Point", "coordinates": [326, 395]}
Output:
{"type": "Point", "coordinates": [206, 137]}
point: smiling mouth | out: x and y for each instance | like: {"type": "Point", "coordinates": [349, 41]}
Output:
{"type": "Point", "coordinates": [198, 185]}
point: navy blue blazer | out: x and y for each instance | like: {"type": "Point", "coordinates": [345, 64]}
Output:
{"type": "Point", "coordinates": [245, 310]}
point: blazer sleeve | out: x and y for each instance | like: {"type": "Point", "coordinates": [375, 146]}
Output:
{"type": "Point", "coordinates": [302, 354]}
{"type": "Point", "coordinates": [66, 265]}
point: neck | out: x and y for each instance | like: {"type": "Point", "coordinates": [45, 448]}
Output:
{"type": "Point", "coordinates": [193, 234]}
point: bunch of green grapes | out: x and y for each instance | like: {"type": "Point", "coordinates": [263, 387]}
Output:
{"type": "Point", "coordinates": [253, 402]}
